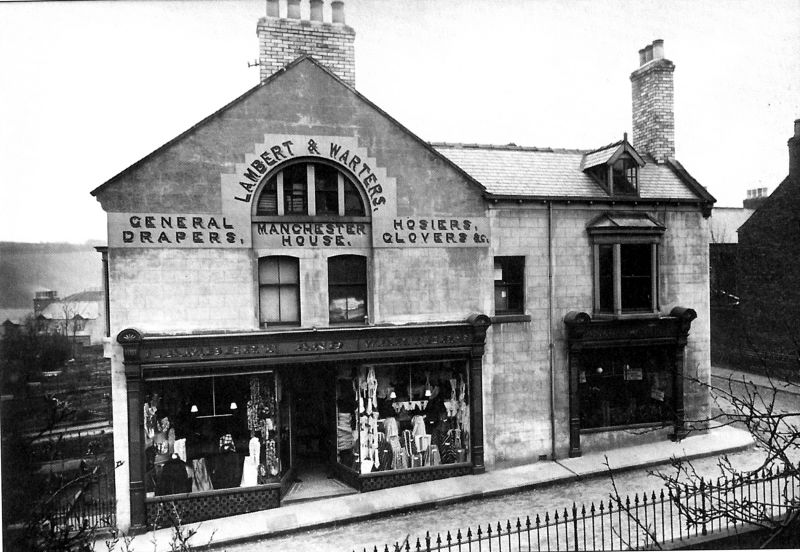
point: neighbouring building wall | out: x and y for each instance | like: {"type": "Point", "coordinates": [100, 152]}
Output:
{"type": "Point", "coordinates": [769, 287]}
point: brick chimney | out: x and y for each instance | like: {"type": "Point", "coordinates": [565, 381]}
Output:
{"type": "Point", "coordinates": [284, 39]}
{"type": "Point", "coordinates": [755, 197]}
{"type": "Point", "coordinates": [653, 116]}
{"type": "Point", "coordinates": [794, 153]}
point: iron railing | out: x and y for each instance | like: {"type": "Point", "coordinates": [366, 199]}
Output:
{"type": "Point", "coordinates": [87, 503]}
{"type": "Point", "coordinates": [648, 520]}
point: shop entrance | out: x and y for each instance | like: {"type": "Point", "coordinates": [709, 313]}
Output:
{"type": "Point", "coordinates": [313, 434]}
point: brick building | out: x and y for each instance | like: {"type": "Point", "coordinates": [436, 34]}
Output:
{"type": "Point", "coordinates": [769, 241]}
{"type": "Point", "coordinates": [300, 278]}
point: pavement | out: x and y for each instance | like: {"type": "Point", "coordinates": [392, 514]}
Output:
{"type": "Point", "coordinates": [720, 375]}
{"type": "Point", "coordinates": [355, 507]}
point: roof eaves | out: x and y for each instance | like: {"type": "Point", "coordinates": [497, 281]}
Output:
{"type": "Point", "coordinates": [693, 184]}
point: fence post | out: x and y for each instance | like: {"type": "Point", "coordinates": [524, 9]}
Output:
{"type": "Point", "coordinates": [703, 504]}
{"type": "Point", "coordinates": [575, 523]}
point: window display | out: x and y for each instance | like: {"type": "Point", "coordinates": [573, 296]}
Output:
{"type": "Point", "coordinates": [619, 387]}
{"type": "Point", "coordinates": [401, 416]}
{"type": "Point", "coordinates": [210, 433]}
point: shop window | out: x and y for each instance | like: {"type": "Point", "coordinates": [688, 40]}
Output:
{"type": "Point", "coordinates": [623, 387]}
{"type": "Point", "coordinates": [279, 290]}
{"type": "Point", "coordinates": [509, 285]}
{"type": "Point", "coordinates": [287, 192]}
{"type": "Point", "coordinates": [211, 433]}
{"type": "Point", "coordinates": [402, 416]}
{"type": "Point", "coordinates": [347, 289]}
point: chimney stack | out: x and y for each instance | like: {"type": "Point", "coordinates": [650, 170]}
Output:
{"type": "Point", "coordinates": [652, 92]}
{"type": "Point", "coordinates": [282, 40]}
{"type": "Point", "coordinates": [794, 153]}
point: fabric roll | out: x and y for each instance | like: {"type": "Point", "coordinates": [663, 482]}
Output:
{"type": "Point", "coordinates": [200, 479]}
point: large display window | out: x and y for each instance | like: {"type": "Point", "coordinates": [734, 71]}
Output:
{"type": "Point", "coordinates": [211, 433]}
{"type": "Point", "coordinates": [394, 416]}
{"type": "Point", "coordinates": [626, 386]}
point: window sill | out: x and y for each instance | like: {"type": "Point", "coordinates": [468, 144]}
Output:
{"type": "Point", "coordinates": [627, 315]}
{"type": "Point", "coordinates": [626, 427]}
{"type": "Point", "coordinates": [510, 318]}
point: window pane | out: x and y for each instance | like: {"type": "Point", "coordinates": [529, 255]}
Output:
{"type": "Point", "coordinates": [624, 171]}
{"type": "Point", "coordinates": [636, 276]}
{"type": "Point", "coordinates": [347, 288]}
{"type": "Point", "coordinates": [326, 189]}
{"type": "Point", "coordinates": [347, 269]}
{"type": "Point", "coordinates": [268, 270]}
{"type": "Point", "coordinates": [268, 200]}
{"type": "Point", "coordinates": [289, 298]}
{"type": "Point", "coordinates": [269, 304]}
{"type": "Point", "coordinates": [605, 273]}
{"type": "Point", "coordinates": [294, 190]}
{"type": "Point", "coordinates": [353, 206]}
{"type": "Point", "coordinates": [288, 270]}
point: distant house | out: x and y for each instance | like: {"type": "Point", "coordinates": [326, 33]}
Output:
{"type": "Point", "coordinates": [769, 281]}
{"type": "Point", "coordinates": [723, 227]}
{"type": "Point", "coordinates": [79, 315]}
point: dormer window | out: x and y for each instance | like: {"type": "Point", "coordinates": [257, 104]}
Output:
{"type": "Point", "coordinates": [615, 167]}
{"type": "Point", "coordinates": [315, 189]}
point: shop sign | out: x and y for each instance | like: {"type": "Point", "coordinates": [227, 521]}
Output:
{"type": "Point", "coordinates": [326, 235]}
{"type": "Point", "coordinates": [633, 374]}
{"type": "Point", "coordinates": [171, 230]}
{"type": "Point", "coordinates": [222, 351]}
{"type": "Point", "coordinates": [407, 232]}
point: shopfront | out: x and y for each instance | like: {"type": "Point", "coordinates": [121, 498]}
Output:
{"type": "Point", "coordinates": [225, 424]}
{"type": "Point", "coordinates": [626, 375]}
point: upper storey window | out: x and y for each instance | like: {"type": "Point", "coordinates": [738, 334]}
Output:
{"type": "Point", "coordinates": [626, 275]}
{"type": "Point", "coordinates": [310, 189]}
{"type": "Point", "coordinates": [615, 167]}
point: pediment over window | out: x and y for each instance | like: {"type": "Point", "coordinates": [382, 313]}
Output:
{"type": "Point", "coordinates": [615, 167]}
{"type": "Point", "coordinates": [615, 224]}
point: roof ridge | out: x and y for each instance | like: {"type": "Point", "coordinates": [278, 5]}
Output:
{"type": "Point", "coordinates": [607, 146]}
{"type": "Point", "coordinates": [507, 147]}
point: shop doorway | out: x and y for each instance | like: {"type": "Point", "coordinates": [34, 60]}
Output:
{"type": "Point", "coordinates": [313, 434]}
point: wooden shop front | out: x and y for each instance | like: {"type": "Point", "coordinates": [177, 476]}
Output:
{"type": "Point", "coordinates": [224, 424]}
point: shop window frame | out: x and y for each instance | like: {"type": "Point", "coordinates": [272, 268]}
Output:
{"type": "Point", "coordinates": [281, 287]}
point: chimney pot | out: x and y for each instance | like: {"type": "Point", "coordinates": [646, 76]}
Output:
{"type": "Point", "coordinates": [293, 9]}
{"type": "Point", "coordinates": [641, 57]}
{"type": "Point", "coordinates": [648, 53]}
{"type": "Point", "coordinates": [273, 8]}
{"type": "Point", "coordinates": [658, 49]}
{"type": "Point", "coordinates": [316, 10]}
{"type": "Point", "coordinates": [797, 128]}
{"type": "Point", "coordinates": [337, 11]}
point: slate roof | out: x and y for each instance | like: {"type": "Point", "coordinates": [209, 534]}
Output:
{"type": "Point", "coordinates": [546, 172]}
{"type": "Point", "coordinates": [84, 304]}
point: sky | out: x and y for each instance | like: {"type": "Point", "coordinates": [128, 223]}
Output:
{"type": "Point", "coordinates": [88, 88]}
